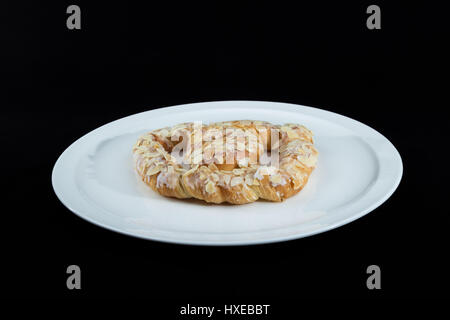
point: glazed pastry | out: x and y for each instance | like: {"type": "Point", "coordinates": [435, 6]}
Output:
{"type": "Point", "coordinates": [234, 161]}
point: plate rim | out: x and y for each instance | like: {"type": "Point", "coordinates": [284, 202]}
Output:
{"type": "Point", "coordinates": [311, 111]}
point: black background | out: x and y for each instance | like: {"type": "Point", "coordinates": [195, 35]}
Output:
{"type": "Point", "coordinates": [127, 58]}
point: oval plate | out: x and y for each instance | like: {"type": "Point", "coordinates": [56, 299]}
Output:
{"type": "Point", "coordinates": [358, 169]}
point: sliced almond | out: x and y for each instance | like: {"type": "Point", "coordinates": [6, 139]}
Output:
{"type": "Point", "coordinates": [226, 179]}
{"type": "Point", "coordinates": [153, 170]}
{"type": "Point", "coordinates": [248, 180]}
{"type": "Point", "coordinates": [210, 187]}
{"type": "Point", "coordinates": [276, 179]}
{"type": "Point", "coordinates": [292, 134]}
{"type": "Point", "coordinates": [236, 181]}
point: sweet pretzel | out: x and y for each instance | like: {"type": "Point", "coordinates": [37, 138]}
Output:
{"type": "Point", "coordinates": [226, 161]}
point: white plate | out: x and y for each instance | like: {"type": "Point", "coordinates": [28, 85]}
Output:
{"type": "Point", "coordinates": [358, 169]}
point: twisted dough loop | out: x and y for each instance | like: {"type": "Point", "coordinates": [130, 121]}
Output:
{"type": "Point", "coordinates": [213, 178]}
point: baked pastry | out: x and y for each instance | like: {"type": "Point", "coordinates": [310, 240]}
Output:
{"type": "Point", "coordinates": [233, 161]}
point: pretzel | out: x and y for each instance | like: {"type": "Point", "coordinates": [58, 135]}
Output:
{"type": "Point", "coordinates": [226, 161]}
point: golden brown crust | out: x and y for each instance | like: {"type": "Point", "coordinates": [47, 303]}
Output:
{"type": "Point", "coordinates": [212, 176]}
